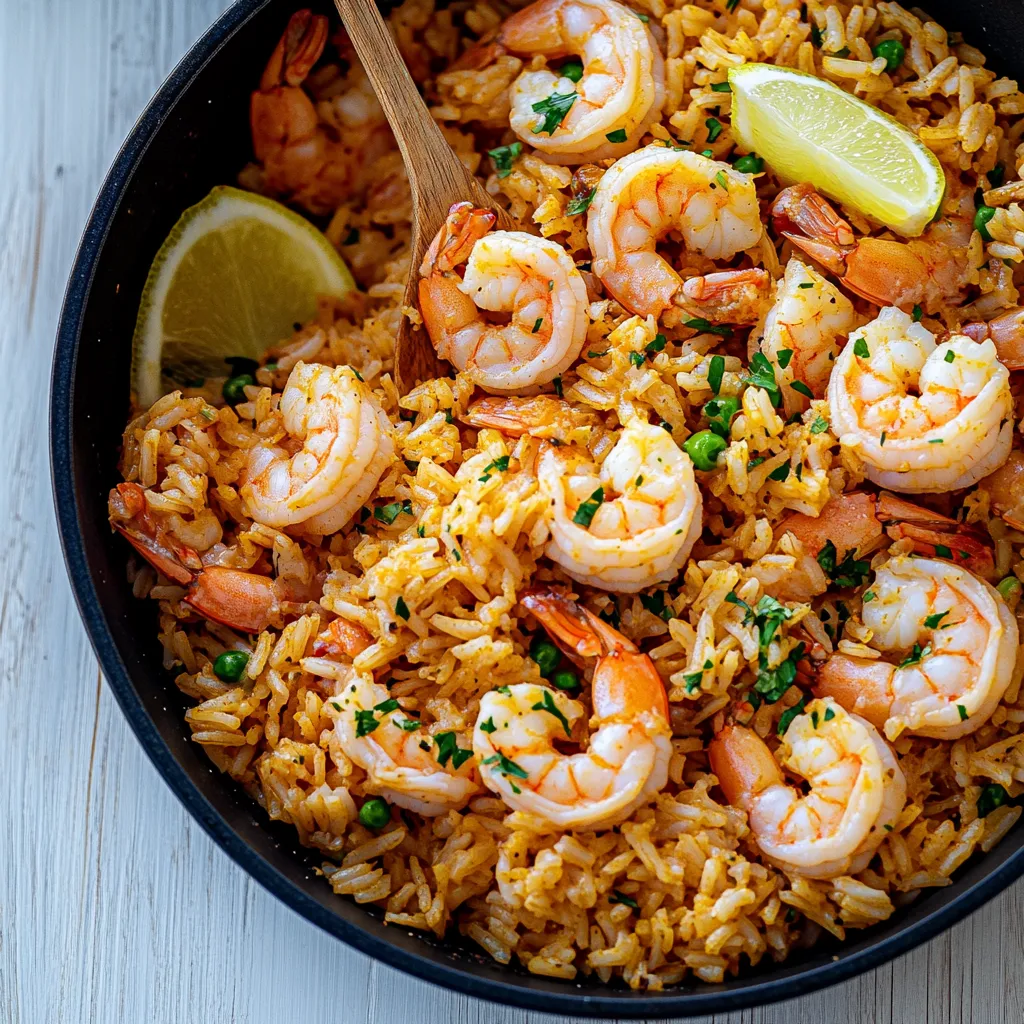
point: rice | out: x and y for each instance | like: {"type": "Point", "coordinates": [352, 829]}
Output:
{"type": "Point", "coordinates": [681, 888]}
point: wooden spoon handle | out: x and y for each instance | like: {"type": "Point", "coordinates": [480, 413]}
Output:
{"type": "Point", "coordinates": [435, 172]}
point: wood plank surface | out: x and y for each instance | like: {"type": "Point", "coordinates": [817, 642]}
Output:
{"type": "Point", "coordinates": [114, 906]}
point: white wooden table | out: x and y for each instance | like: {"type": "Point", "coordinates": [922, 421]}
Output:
{"type": "Point", "coordinates": [114, 906]}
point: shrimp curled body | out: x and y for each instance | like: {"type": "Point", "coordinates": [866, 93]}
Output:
{"type": "Point", "coordinates": [647, 517]}
{"type": "Point", "coordinates": [621, 88]}
{"type": "Point", "coordinates": [627, 759]}
{"type": "Point", "coordinates": [655, 190]}
{"type": "Point", "coordinates": [962, 638]}
{"type": "Point", "coordinates": [401, 764]}
{"type": "Point", "coordinates": [856, 790]}
{"type": "Point", "coordinates": [505, 272]}
{"type": "Point", "coordinates": [956, 430]}
{"type": "Point", "coordinates": [344, 444]}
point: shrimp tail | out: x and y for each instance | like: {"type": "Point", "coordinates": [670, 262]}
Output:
{"type": "Point", "coordinates": [730, 296]}
{"type": "Point", "coordinates": [341, 637]}
{"type": "Point", "coordinates": [743, 764]}
{"type": "Point", "coordinates": [860, 685]}
{"type": "Point", "coordinates": [297, 51]}
{"type": "Point", "coordinates": [242, 600]}
{"type": "Point", "coordinates": [130, 517]}
{"type": "Point", "coordinates": [936, 535]}
{"type": "Point", "coordinates": [463, 228]}
{"type": "Point", "coordinates": [576, 630]}
{"type": "Point", "coordinates": [539, 416]}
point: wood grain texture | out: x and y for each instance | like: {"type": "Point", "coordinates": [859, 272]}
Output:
{"type": "Point", "coordinates": [114, 906]}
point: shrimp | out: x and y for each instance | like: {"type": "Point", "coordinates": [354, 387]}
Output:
{"type": "Point", "coordinates": [1005, 488]}
{"type": "Point", "coordinates": [620, 91]}
{"type": "Point", "coordinates": [404, 763]}
{"type": "Point", "coordinates": [246, 601]}
{"type": "Point", "coordinates": [798, 334]}
{"type": "Point", "coordinates": [303, 159]}
{"type": "Point", "coordinates": [855, 525]}
{"type": "Point", "coordinates": [338, 448]}
{"type": "Point", "coordinates": [629, 524]}
{"type": "Point", "coordinates": [930, 271]}
{"type": "Point", "coordinates": [647, 194]}
{"type": "Point", "coordinates": [957, 429]}
{"type": "Point", "coordinates": [539, 416]}
{"type": "Point", "coordinates": [627, 759]}
{"type": "Point", "coordinates": [955, 639]}
{"type": "Point", "coordinates": [532, 278]}
{"type": "Point", "coordinates": [856, 790]}
{"type": "Point", "coordinates": [1007, 334]}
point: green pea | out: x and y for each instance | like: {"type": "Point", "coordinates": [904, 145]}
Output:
{"type": "Point", "coordinates": [233, 388]}
{"type": "Point", "coordinates": [749, 164]}
{"type": "Point", "coordinates": [566, 679]}
{"type": "Point", "coordinates": [230, 665]}
{"type": "Point", "coordinates": [374, 813]}
{"type": "Point", "coordinates": [704, 447]}
{"type": "Point", "coordinates": [572, 69]}
{"type": "Point", "coordinates": [1010, 588]}
{"type": "Point", "coordinates": [892, 50]}
{"type": "Point", "coordinates": [981, 218]}
{"type": "Point", "coordinates": [720, 411]}
{"type": "Point", "coordinates": [546, 654]}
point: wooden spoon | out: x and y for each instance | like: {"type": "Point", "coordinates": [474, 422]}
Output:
{"type": "Point", "coordinates": [436, 175]}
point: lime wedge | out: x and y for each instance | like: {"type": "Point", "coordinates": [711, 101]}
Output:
{"type": "Point", "coordinates": [809, 130]}
{"type": "Point", "coordinates": [232, 278]}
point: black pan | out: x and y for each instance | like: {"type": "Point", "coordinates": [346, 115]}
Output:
{"type": "Point", "coordinates": [192, 136]}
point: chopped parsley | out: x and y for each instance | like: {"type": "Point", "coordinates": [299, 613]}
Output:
{"type": "Point", "coordinates": [722, 180]}
{"type": "Point", "coordinates": [659, 343]}
{"type": "Point", "coordinates": [932, 621]}
{"type": "Point", "coordinates": [869, 595]}
{"type": "Point", "coordinates": [557, 383]}
{"type": "Point", "coordinates": [536, 324]}
{"type": "Point", "coordinates": [500, 464]}
{"type": "Point", "coordinates": [366, 722]}
{"type": "Point", "coordinates": [619, 135]}
{"type": "Point", "coordinates": [698, 323]}
{"type": "Point", "coordinates": [784, 355]}
{"type": "Point", "coordinates": [850, 572]}
{"type": "Point", "coordinates": [554, 108]}
{"type": "Point", "coordinates": [579, 204]}
{"type": "Point", "coordinates": [621, 897]}
{"type": "Point", "coordinates": [949, 356]}
{"type": "Point", "coordinates": [488, 726]}
{"type": "Point", "coordinates": [387, 514]}
{"type": "Point", "coordinates": [762, 375]}
{"type": "Point", "coordinates": [588, 509]}
{"type": "Point", "coordinates": [449, 750]}
{"type": "Point", "coordinates": [802, 389]}
{"type": "Point", "coordinates": [806, 284]}
{"type": "Point", "coordinates": [991, 797]}
{"type": "Point", "coordinates": [780, 473]}
{"type": "Point", "coordinates": [915, 657]}
{"type": "Point", "coordinates": [963, 712]}
{"type": "Point", "coordinates": [829, 714]}
{"type": "Point", "coordinates": [548, 704]}
{"type": "Point", "coordinates": [692, 679]}
{"type": "Point", "coordinates": [714, 127]}
{"type": "Point", "coordinates": [860, 348]}
{"type": "Point", "coordinates": [716, 370]}
{"type": "Point", "coordinates": [406, 724]}
{"type": "Point", "coordinates": [597, 355]}
{"type": "Point", "coordinates": [916, 314]}
{"type": "Point", "coordinates": [402, 609]}
{"type": "Point", "coordinates": [507, 768]}
{"type": "Point", "coordinates": [386, 706]}
{"type": "Point", "coordinates": [816, 36]}
{"type": "Point", "coordinates": [772, 683]}
{"type": "Point", "coordinates": [790, 713]}
{"type": "Point", "coordinates": [655, 604]}
{"type": "Point", "coordinates": [572, 69]}
{"type": "Point", "coordinates": [943, 552]}
{"type": "Point", "coordinates": [721, 87]}
{"type": "Point", "coordinates": [503, 157]}
{"type": "Point", "coordinates": [637, 359]}
{"type": "Point", "coordinates": [820, 425]}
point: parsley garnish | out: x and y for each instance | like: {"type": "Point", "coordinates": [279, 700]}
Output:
{"type": "Point", "coordinates": [619, 135]}
{"type": "Point", "coordinates": [829, 714]}
{"type": "Point", "coordinates": [652, 347]}
{"type": "Point", "coordinates": [500, 463]}
{"type": "Point", "coordinates": [721, 87]}
{"type": "Point", "coordinates": [932, 621]}
{"type": "Point", "coordinates": [802, 389]}
{"type": "Point", "coordinates": [698, 323]}
{"type": "Point", "coordinates": [586, 512]}
{"type": "Point", "coordinates": [963, 712]}
{"type": "Point", "coordinates": [554, 109]}
{"type": "Point", "coordinates": [762, 375]}
{"type": "Point", "coordinates": [790, 713]}
{"type": "Point", "coordinates": [714, 127]}
{"type": "Point", "coordinates": [637, 359]}
{"type": "Point", "coordinates": [784, 355]}
{"type": "Point", "coordinates": [621, 897]}
{"type": "Point", "coordinates": [506, 767]}
{"type": "Point", "coordinates": [916, 656]}
{"type": "Point", "coordinates": [579, 204]}
{"type": "Point", "coordinates": [991, 797]}
{"type": "Point", "coordinates": [655, 604]}
{"type": "Point", "coordinates": [387, 514]}
{"type": "Point", "coordinates": [402, 609]}
{"type": "Point", "coordinates": [772, 683]}
{"type": "Point", "coordinates": [503, 157]}
{"type": "Point", "coordinates": [820, 425]}
{"type": "Point", "coordinates": [548, 704]}
{"type": "Point", "coordinates": [536, 324]}
{"type": "Point", "coordinates": [366, 722]}
{"type": "Point", "coordinates": [448, 749]}
{"type": "Point", "coordinates": [916, 314]}
{"type": "Point", "coordinates": [850, 572]}
{"type": "Point", "coordinates": [716, 370]}
{"type": "Point", "coordinates": [860, 348]}
{"type": "Point", "coordinates": [488, 726]}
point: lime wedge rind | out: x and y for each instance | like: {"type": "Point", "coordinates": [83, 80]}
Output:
{"type": "Point", "coordinates": [233, 275]}
{"type": "Point", "coordinates": [810, 130]}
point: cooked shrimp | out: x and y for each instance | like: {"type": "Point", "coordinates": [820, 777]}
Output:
{"type": "Point", "coordinates": [930, 271]}
{"type": "Point", "coordinates": [647, 194]}
{"type": "Point", "coordinates": [799, 333]}
{"type": "Point", "coordinates": [532, 278]}
{"type": "Point", "coordinates": [626, 761]}
{"type": "Point", "coordinates": [621, 89]}
{"type": "Point", "coordinates": [855, 525]}
{"type": "Point", "coordinates": [956, 641]}
{"type": "Point", "coordinates": [1005, 489]}
{"type": "Point", "coordinates": [629, 524]}
{"type": "Point", "coordinates": [402, 760]}
{"type": "Point", "coordinates": [955, 430]}
{"type": "Point", "coordinates": [246, 601]}
{"type": "Point", "coordinates": [304, 161]}
{"type": "Point", "coordinates": [856, 790]}
{"type": "Point", "coordinates": [539, 416]}
{"type": "Point", "coordinates": [338, 447]}
{"type": "Point", "coordinates": [1007, 334]}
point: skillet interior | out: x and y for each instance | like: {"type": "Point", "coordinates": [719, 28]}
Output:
{"type": "Point", "coordinates": [193, 136]}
